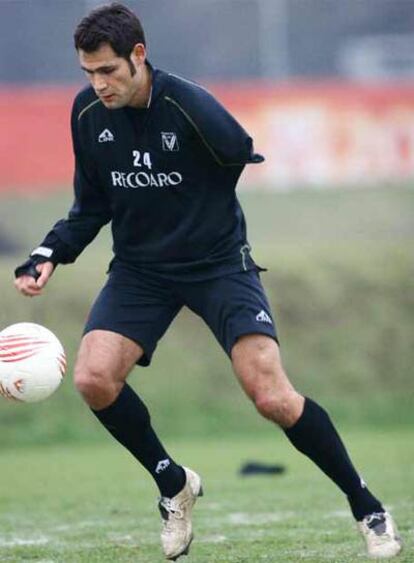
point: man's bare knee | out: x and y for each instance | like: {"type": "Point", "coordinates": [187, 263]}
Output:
{"type": "Point", "coordinates": [272, 393]}
{"type": "Point", "coordinates": [282, 408]}
{"type": "Point", "coordinates": [257, 363]}
{"type": "Point", "coordinates": [97, 388]}
{"type": "Point", "coordinates": [104, 362]}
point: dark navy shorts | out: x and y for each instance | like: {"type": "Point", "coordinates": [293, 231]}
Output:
{"type": "Point", "coordinates": [141, 307]}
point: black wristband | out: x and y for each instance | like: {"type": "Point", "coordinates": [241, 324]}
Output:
{"type": "Point", "coordinates": [28, 268]}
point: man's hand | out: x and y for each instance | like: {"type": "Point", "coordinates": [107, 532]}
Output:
{"type": "Point", "coordinates": [28, 285]}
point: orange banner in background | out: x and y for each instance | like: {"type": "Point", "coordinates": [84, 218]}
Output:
{"type": "Point", "coordinates": [328, 134]}
{"type": "Point", "coordinates": [35, 144]}
{"type": "Point", "coordinates": [311, 135]}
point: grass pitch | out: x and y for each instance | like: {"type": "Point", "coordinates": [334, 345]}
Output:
{"type": "Point", "coordinates": [94, 504]}
{"type": "Point", "coordinates": [340, 279]}
{"type": "Point", "coordinates": [341, 265]}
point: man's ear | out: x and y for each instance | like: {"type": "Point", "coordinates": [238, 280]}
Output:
{"type": "Point", "coordinates": [138, 54]}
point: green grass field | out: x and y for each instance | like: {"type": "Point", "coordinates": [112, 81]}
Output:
{"type": "Point", "coordinates": [341, 265]}
{"type": "Point", "coordinates": [93, 504]}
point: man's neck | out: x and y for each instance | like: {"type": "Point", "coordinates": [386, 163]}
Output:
{"type": "Point", "coordinates": [142, 97]}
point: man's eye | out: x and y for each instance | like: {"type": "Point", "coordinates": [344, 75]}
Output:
{"type": "Point", "coordinates": [103, 71]}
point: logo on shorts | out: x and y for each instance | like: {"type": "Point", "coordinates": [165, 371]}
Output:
{"type": "Point", "coordinates": [169, 142]}
{"type": "Point", "coordinates": [106, 136]}
{"type": "Point", "coordinates": [162, 465]}
{"type": "Point", "coordinates": [263, 317]}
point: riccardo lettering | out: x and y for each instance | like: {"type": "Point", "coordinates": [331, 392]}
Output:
{"type": "Point", "coordinates": [136, 180]}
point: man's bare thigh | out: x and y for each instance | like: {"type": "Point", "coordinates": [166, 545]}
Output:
{"type": "Point", "coordinates": [109, 353]}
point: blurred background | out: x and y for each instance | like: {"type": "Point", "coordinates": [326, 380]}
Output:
{"type": "Point", "coordinates": [327, 91]}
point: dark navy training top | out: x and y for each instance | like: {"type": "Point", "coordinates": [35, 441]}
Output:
{"type": "Point", "coordinates": [165, 176]}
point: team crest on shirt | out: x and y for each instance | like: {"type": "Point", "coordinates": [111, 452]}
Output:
{"type": "Point", "coordinates": [169, 142]}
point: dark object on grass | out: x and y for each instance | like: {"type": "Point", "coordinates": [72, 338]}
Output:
{"type": "Point", "coordinates": [8, 246]}
{"type": "Point", "coordinates": [258, 468]}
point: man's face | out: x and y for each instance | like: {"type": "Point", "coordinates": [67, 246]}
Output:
{"type": "Point", "coordinates": [114, 80]}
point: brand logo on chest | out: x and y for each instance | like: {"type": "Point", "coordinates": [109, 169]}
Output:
{"type": "Point", "coordinates": [106, 136]}
{"type": "Point", "coordinates": [169, 142]}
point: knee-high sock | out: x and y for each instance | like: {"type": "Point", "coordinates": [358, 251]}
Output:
{"type": "Point", "coordinates": [128, 420]}
{"type": "Point", "coordinates": [315, 436]}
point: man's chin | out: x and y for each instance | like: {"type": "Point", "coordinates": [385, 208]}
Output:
{"type": "Point", "coordinates": [112, 103]}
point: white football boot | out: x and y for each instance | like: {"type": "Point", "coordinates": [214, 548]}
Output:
{"type": "Point", "coordinates": [177, 530]}
{"type": "Point", "coordinates": [381, 535]}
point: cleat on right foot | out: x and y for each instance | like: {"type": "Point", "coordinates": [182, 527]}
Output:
{"type": "Point", "coordinates": [177, 531]}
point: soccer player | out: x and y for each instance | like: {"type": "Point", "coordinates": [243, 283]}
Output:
{"type": "Point", "coordinates": [159, 158]}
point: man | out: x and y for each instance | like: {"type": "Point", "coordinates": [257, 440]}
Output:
{"type": "Point", "coordinates": [160, 158]}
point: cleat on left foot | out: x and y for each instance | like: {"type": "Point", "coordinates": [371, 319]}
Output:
{"type": "Point", "coordinates": [381, 535]}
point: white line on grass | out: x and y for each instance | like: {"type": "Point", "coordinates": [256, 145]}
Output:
{"type": "Point", "coordinates": [212, 539]}
{"type": "Point", "coordinates": [81, 525]}
{"type": "Point", "coordinates": [337, 514]}
{"type": "Point", "coordinates": [258, 519]}
{"type": "Point", "coordinates": [14, 542]}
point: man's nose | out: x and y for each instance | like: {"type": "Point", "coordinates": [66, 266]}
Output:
{"type": "Point", "coordinates": [99, 83]}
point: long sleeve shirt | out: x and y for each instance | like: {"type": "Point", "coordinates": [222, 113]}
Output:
{"type": "Point", "coordinates": [165, 177]}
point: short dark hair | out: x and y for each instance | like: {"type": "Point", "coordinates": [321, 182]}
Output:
{"type": "Point", "coordinates": [114, 24]}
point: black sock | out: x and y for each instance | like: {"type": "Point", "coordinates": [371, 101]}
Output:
{"type": "Point", "coordinates": [315, 436]}
{"type": "Point", "coordinates": [128, 420]}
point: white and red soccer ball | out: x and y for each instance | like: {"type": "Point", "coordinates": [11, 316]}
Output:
{"type": "Point", "coordinates": [32, 362]}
